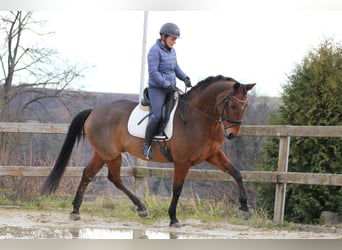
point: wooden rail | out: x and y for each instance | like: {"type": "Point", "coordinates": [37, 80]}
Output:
{"type": "Point", "coordinates": [245, 130]}
{"type": "Point", "coordinates": [194, 174]}
{"type": "Point", "coordinates": [281, 177]}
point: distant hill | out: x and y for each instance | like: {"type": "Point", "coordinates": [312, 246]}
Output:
{"type": "Point", "coordinates": [63, 109]}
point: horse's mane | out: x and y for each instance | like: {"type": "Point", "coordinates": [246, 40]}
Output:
{"type": "Point", "coordinates": [201, 85]}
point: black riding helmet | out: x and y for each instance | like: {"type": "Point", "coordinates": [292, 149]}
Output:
{"type": "Point", "coordinates": [170, 29]}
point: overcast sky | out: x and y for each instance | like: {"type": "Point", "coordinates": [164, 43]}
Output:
{"type": "Point", "coordinates": [259, 45]}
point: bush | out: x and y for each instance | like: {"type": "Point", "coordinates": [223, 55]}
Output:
{"type": "Point", "coordinates": [312, 97]}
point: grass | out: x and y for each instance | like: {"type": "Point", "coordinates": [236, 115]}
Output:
{"type": "Point", "coordinates": [121, 208]}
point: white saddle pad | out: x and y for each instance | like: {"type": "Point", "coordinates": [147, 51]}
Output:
{"type": "Point", "coordinates": [140, 112]}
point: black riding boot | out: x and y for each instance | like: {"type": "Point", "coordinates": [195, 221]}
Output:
{"type": "Point", "coordinates": [150, 131]}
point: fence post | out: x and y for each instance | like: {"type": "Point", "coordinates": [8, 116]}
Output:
{"type": "Point", "coordinates": [140, 182]}
{"type": "Point", "coordinates": [279, 204]}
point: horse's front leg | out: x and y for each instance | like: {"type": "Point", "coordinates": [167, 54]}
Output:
{"type": "Point", "coordinates": [221, 161]}
{"type": "Point", "coordinates": [179, 174]}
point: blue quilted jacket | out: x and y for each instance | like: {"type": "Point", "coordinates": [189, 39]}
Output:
{"type": "Point", "coordinates": [163, 67]}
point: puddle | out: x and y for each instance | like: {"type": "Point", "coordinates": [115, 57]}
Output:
{"type": "Point", "coordinates": [16, 224]}
{"type": "Point", "coordinates": [92, 233]}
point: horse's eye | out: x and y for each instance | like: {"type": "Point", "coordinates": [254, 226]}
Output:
{"type": "Point", "coordinates": [233, 106]}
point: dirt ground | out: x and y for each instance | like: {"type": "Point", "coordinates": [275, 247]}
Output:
{"type": "Point", "coordinates": [17, 224]}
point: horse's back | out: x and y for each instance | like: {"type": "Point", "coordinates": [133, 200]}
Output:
{"type": "Point", "coordinates": [113, 112]}
{"type": "Point", "coordinates": [108, 122]}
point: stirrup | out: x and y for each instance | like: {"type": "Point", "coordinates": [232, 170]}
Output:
{"type": "Point", "coordinates": [147, 151]}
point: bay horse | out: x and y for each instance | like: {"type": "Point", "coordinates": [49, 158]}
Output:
{"type": "Point", "coordinates": [207, 114]}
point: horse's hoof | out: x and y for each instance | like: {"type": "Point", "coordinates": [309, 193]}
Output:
{"type": "Point", "coordinates": [176, 225]}
{"type": "Point", "coordinates": [74, 216]}
{"type": "Point", "coordinates": [244, 215]}
{"type": "Point", "coordinates": [142, 213]}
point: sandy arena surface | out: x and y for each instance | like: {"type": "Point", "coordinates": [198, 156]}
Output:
{"type": "Point", "coordinates": [17, 224]}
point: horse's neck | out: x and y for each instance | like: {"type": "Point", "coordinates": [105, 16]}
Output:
{"type": "Point", "coordinates": [204, 103]}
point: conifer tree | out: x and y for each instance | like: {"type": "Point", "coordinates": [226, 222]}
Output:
{"type": "Point", "coordinates": [311, 96]}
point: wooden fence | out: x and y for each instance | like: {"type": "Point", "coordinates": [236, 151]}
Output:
{"type": "Point", "coordinates": [281, 177]}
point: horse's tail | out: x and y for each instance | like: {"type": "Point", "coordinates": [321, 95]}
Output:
{"type": "Point", "coordinates": [75, 132]}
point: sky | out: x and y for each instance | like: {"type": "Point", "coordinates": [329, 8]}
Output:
{"type": "Point", "coordinates": [259, 44]}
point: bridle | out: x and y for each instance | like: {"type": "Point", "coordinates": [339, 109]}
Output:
{"type": "Point", "coordinates": [226, 106]}
{"type": "Point", "coordinates": [222, 119]}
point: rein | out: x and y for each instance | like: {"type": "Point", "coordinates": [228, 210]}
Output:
{"type": "Point", "coordinates": [201, 112]}
{"type": "Point", "coordinates": [223, 119]}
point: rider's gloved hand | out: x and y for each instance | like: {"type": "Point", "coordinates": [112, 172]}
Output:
{"type": "Point", "coordinates": [187, 82]}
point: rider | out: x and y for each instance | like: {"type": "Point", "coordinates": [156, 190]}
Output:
{"type": "Point", "coordinates": [163, 70]}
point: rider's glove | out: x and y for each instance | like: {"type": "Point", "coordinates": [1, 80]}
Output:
{"type": "Point", "coordinates": [187, 82]}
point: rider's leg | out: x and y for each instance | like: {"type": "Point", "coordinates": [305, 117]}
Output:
{"type": "Point", "coordinates": [150, 131]}
{"type": "Point", "coordinates": [157, 99]}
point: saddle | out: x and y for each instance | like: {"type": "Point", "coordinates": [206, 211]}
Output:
{"type": "Point", "coordinates": [140, 115]}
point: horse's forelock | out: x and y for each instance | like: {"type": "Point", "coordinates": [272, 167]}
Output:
{"type": "Point", "coordinates": [238, 85]}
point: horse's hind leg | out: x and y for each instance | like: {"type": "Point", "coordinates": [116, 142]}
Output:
{"type": "Point", "coordinates": [114, 167]}
{"type": "Point", "coordinates": [93, 167]}
{"type": "Point", "coordinates": [221, 161]}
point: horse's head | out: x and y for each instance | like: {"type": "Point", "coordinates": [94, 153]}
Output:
{"type": "Point", "coordinates": [231, 105]}
{"type": "Point", "coordinates": [221, 99]}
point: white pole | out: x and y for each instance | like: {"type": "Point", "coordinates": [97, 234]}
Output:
{"type": "Point", "coordinates": [143, 57]}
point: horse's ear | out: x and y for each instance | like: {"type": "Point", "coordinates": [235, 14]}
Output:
{"type": "Point", "coordinates": [249, 86]}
